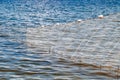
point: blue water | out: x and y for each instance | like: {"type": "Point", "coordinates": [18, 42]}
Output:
{"type": "Point", "coordinates": [45, 12]}
{"type": "Point", "coordinates": [16, 60]}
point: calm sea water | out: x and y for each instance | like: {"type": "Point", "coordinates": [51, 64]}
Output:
{"type": "Point", "coordinates": [21, 59]}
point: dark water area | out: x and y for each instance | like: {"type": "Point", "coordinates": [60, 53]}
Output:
{"type": "Point", "coordinates": [23, 57]}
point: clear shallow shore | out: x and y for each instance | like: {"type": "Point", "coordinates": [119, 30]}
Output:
{"type": "Point", "coordinates": [89, 43]}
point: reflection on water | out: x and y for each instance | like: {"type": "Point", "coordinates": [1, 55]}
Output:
{"type": "Point", "coordinates": [85, 50]}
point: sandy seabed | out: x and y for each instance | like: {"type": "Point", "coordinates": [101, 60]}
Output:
{"type": "Point", "coordinates": [93, 41]}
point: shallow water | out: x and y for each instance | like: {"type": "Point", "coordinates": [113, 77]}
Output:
{"type": "Point", "coordinates": [91, 46]}
{"type": "Point", "coordinates": [63, 49]}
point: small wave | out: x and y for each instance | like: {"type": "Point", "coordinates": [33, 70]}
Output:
{"type": "Point", "coordinates": [4, 35]}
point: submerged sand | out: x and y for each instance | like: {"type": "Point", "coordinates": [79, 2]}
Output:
{"type": "Point", "coordinates": [93, 41]}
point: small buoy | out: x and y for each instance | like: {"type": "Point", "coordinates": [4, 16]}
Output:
{"type": "Point", "coordinates": [57, 23]}
{"type": "Point", "coordinates": [100, 16]}
{"type": "Point", "coordinates": [79, 20]}
{"type": "Point", "coordinates": [42, 26]}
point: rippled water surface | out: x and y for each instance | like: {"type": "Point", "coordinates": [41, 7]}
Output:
{"type": "Point", "coordinates": [41, 40]}
{"type": "Point", "coordinates": [45, 12]}
{"type": "Point", "coordinates": [94, 50]}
